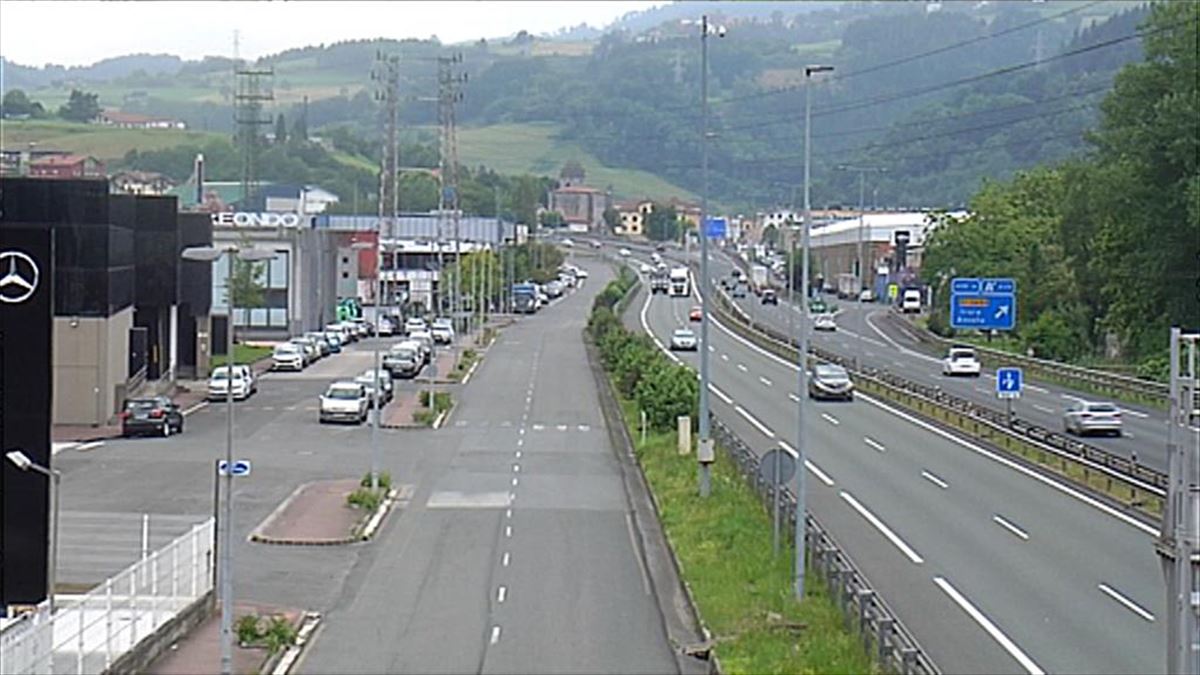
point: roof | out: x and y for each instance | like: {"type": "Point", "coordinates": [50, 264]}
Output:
{"type": "Point", "coordinates": [60, 160]}
{"type": "Point", "coordinates": [118, 117]}
{"type": "Point", "coordinates": [579, 189]}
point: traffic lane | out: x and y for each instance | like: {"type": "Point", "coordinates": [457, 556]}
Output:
{"type": "Point", "coordinates": [1137, 552]}
{"type": "Point", "coordinates": [958, 646]}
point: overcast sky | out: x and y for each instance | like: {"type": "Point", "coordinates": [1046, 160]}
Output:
{"type": "Point", "coordinates": [80, 33]}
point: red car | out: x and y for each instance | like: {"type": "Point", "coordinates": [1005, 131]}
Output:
{"type": "Point", "coordinates": [694, 315]}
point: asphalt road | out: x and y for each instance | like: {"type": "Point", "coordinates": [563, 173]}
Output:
{"type": "Point", "coordinates": [516, 553]}
{"type": "Point", "coordinates": [992, 569]}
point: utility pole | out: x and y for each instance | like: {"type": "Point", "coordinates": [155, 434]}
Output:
{"type": "Point", "coordinates": [386, 74]}
{"type": "Point", "coordinates": [248, 98]}
{"type": "Point", "coordinates": [859, 263]}
{"type": "Point", "coordinates": [1179, 543]}
{"type": "Point", "coordinates": [809, 71]}
{"type": "Point", "coordinates": [449, 94]}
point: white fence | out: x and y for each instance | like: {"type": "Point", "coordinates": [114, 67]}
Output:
{"type": "Point", "coordinates": [89, 632]}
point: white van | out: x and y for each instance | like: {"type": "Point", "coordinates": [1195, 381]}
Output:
{"type": "Point", "coordinates": [911, 301]}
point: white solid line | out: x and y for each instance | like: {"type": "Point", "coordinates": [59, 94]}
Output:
{"type": "Point", "coordinates": [987, 625]}
{"type": "Point", "coordinates": [793, 397]}
{"type": "Point", "coordinates": [1135, 413]}
{"type": "Point", "coordinates": [1072, 398]}
{"type": "Point", "coordinates": [1129, 604]}
{"type": "Point", "coordinates": [879, 525]}
{"type": "Point", "coordinates": [742, 367]}
{"type": "Point", "coordinates": [899, 363]}
{"type": "Point", "coordinates": [830, 418]}
{"type": "Point", "coordinates": [1043, 408]}
{"type": "Point", "coordinates": [199, 406]}
{"type": "Point", "coordinates": [789, 449]}
{"type": "Point", "coordinates": [504, 560]}
{"type": "Point", "coordinates": [753, 420]}
{"type": "Point", "coordinates": [824, 477]}
{"type": "Point", "coordinates": [720, 394]}
{"type": "Point", "coordinates": [268, 407]}
{"type": "Point", "coordinates": [495, 634]}
{"type": "Point", "coordinates": [1061, 487]}
{"type": "Point", "coordinates": [764, 380]}
{"type": "Point", "coordinates": [1010, 527]}
{"type": "Point", "coordinates": [874, 444]}
{"type": "Point", "coordinates": [501, 593]}
{"type": "Point", "coordinates": [89, 446]}
{"type": "Point", "coordinates": [935, 480]}
{"type": "Point", "coordinates": [508, 530]}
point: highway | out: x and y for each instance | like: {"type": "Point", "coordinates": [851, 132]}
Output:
{"type": "Point", "coordinates": [991, 566]}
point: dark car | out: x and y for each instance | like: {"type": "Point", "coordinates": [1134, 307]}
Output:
{"type": "Point", "coordinates": [830, 381]}
{"type": "Point", "coordinates": [769, 297]}
{"type": "Point", "coordinates": [151, 415]}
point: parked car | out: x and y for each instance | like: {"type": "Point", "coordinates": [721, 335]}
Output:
{"type": "Point", "coordinates": [311, 353]}
{"type": "Point", "coordinates": [334, 340]}
{"type": "Point", "coordinates": [597, 244]}
{"type": "Point", "coordinates": [1086, 417]}
{"type": "Point", "coordinates": [824, 322]}
{"type": "Point", "coordinates": [288, 356]}
{"type": "Point", "coordinates": [241, 384]}
{"type": "Point", "coordinates": [830, 381]}
{"type": "Point", "coordinates": [318, 338]}
{"type": "Point", "coordinates": [413, 325]}
{"type": "Point", "coordinates": [425, 339]}
{"type": "Point", "coordinates": [386, 327]}
{"type": "Point", "coordinates": [684, 339]}
{"type": "Point", "coordinates": [156, 415]}
{"type": "Point", "coordinates": [344, 401]}
{"type": "Point", "coordinates": [739, 289]}
{"type": "Point", "coordinates": [365, 328]}
{"type": "Point", "coordinates": [866, 295]}
{"type": "Point", "coordinates": [770, 297]}
{"type": "Point", "coordinates": [961, 361]}
{"type": "Point", "coordinates": [624, 252]}
{"type": "Point", "coordinates": [404, 360]}
{"type": "Point", "coordinates": [442, 331]}
{"type": "Point", "coordinates": [367, 380]}
{"type": "Point", "coordinates": [344, 333]}
{"type": "Point", "coordinates": [696, 314]}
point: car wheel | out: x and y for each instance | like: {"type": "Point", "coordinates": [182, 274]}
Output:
{"type": "Point", "coordinates": [166, 429]}
{"type": "Point", "coordinates": [1116, 433]}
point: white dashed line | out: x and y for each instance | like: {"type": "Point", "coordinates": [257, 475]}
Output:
{"type": "Point", "coordinates": [1010, 527]}
{"type": "Point", "coordinates": [879, 525]}
{"type": "Point", "coordinates": [724, 357]}
{"type": "Point", "coordinates": [507, 531]}
{"type": "Point", "coordinates": [793, 397]}
{"type": "Point", "coordinates": [508, 513]}
{"type": "Point", "coordinates": [720, 394]}
{"type": "Point", "coordinates": [501, 593]}
{"type": "Point", "coordinates": [742, 368]}
{"type": "Point", "coordinates": [504, 560]}
{"type": "Point", "coordinates": [1043, 408]}
{"type": "Point", "coordinates": [539, 427]}
{"type": "Point", "coordinates": [753, 420]}
{"type": "Point", "coordinates": [1135, 413]}
{"type": "Point", "coordinates": [516, 468]}
{"type": "Point", "coordinates": [561, 427]}
{"type": "Point", "coordinates": [934, 479]}
{"type": "Point", "coordinates": [1034, 387]}
{"type": "Point", "coordinates": [985, 623]}
{"type": "Point", "coordinates": [520, 442]}
{"type": "Point", "coordinates": [830, 418]}
{"type": "Point", "coordinates": [764, 380]}
{"type": "Point", "coordinates": [1129, 604]}
{"type": "Point", "coordinates": [874, 444]}
{"type": "Point", "coordinates": [816, 470]}
{"type": "Point", "coordinates": [515, 482]}
{"type": "Point", "coordinates": [522, 432]}
{"type": "Point", "coordinates": [495, 634]}
{"type": "Point", "coordinates": [200, 406]}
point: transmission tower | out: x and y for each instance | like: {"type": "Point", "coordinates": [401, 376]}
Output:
{"type": "Point", "coordinates": [248, 98]}
{"type": "Point", "coordinates": [449, 95]}
{"type": "Point", "coordinates": [386, 75]}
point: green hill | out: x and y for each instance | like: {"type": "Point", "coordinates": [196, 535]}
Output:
{"type": "Point", "coordinates": [106, 143]}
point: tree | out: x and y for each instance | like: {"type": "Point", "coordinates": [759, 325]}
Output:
{"type": "Point", "coordinates": [80, 107]}
{"type": "Point", "coordinates": [281, 134]}
{"type": "Point", "coordinates": [247, 289]}
{"type": "Point", "coordinates": [612, 218]}
{"type": "Point", "coordinates": [300, 125]}
{"type": "Point", "coordinates": [551, 219]}
{"type": "Point", "coordinates": [17, 104]}
{"type": "Point", "coordinates": [662, 223]}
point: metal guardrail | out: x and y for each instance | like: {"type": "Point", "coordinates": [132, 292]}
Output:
{"type": "Point", "coordinates": [865, 612]}
{"type": "Point", "coordinates": [1116, 467]}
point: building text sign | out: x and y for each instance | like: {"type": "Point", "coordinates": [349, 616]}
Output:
{"type": "Point", "coordinates": [243, 219]}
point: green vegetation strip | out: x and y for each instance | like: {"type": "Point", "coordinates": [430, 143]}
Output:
{"type": "Point", "coordinates": [468, 358]}
{"type": "Point", "coordinates": [243, 354]}
{"type": "Point", "coordinates": [427, 415]}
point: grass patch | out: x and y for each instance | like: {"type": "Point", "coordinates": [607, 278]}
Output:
{"type": "Point", "coordinates": [465, 361]}
{"type": "Point", "coordinates": [106, 143]}
{"type": "Point", "coordinates": [242, 354]}
{"type": "Point", "coordinates": [365, 498]}
{"type": "Point", "coordinates": [428, 414]}
{"type": "Point", "coordinates": [273, 632]}
{"type": "Point", "coordinates": [743, 593]}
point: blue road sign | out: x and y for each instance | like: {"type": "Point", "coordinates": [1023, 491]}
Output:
{"type": "Point", "coordinates": [716, 228]}
{"type": "Point", "coordinates": [983, 312]}
{"type": "Point", "coordinates": [1008, 382]}
{"type": "Point", "coordinates": [964, 286]}
{"type": "Point", "coordinates": [997, 286]}
{"type": "Point", "coordinates": [241, 467]}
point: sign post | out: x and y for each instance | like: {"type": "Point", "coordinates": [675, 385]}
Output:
{"type": "Point", "coordinates": [1008, 387]}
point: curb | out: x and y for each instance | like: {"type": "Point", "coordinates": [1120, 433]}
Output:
{"type": "Point", "coordinates": [437, 423]}
{"type": "Point", "coordinates": [377, 518]}
{"type": "Point", "coordinates": [290, 657]}
{"type": "Point", "coordinates": [467, 377]}
{"type": "Point", "coordinates": [256, 536]}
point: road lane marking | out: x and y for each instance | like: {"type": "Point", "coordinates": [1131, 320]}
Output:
{"type": "Point", "coordinates": [268, 407]}
{"type": "Point", "coordinates": [507, 531]}
{"type": "Point", "coordinates": [1034, 387]}
{"type": "Point", "coordinates": [1072, 398]}
{"type": "Point", "coordinates": [879, 525]}
{"type": "Point", "coordinates": [516, 468]}
{"type": "Point", "coordinates": [1129, 604]}
{"type": "Point", "coordinates": [935, 480]}
{"type": "Point", "coordinates": [495, 634]}
{"type": "Point", "coordinates": [982, 390]}
{"type": "Point", "coordinates": [724, 357]}
{"type": "Point", "coordinates": [508, 513]}
{"type": "Point", "coordinates": [813, 468]}
{"type": "Point", "coordinates": [1135, 413]}
{"type": "Point", "coordinates": [518, 454]}
{"type": "Point", "coordinates": [520, 442]}
{"type": "Point", "coordinates": [561, 427]}
{"type": "Point", "coordinates": [793, 397]}
{"type": "Point", "coordinates": [830, 418]}
{"type": "Point", "coordinates": [764, 380]}
{"type": "Point", "coordinates": [874, 444]}
{"type": "Point", "coordinates": [515, 482]}
{"type": "Point", "coordinates": [522, 432]}
{"type": "Point", "coordinates": [742, 367]}
{"type": "Point", "coordinates": [720, 394]}
{"type": "Point", "coordinates": [89, 446]}
{"type": "Point", "coordinates": [1043, 408]}
{"type": "Point", "coordinates": [199, 406]}
{"type": "Point", "coordinates": [1010, 527]}
{"type": "Point", "coordinates": [505, 559]}
{"type": "Point", "coordinates": [895, 344]}
{"type": "Point", "coordinates": [987, 625]}
{"type": "Point", "coordinates": [753, 420]}
{"type": "Point", "coordinates": [501, 593]}
{"type": "Point", "coordinates": [539, 427]}
{"type": "Point", "coordinates": [712, 348]}
{"type": "Point", "coordinates": [1061, 487]}
{"type": "Point", "coordinates": [899, 363]}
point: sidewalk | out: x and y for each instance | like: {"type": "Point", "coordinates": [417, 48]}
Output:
{"type": "Point", "coordinates": [314, 514]}
{"type": "Point", "coordinates": [200, 650]}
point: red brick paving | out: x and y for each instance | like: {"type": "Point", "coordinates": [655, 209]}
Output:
{"type": "Point", "coordinates": [200, 650]}
{"type": "Point", "coordinates": [317, 514]}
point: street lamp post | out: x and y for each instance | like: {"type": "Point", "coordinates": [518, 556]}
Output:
{"type": "Point", "coordinates": [375, 379]}
{"type": "Point", "coordinates": [809, 71]}
{"type": "Point", "coordinates": [225, 573]}
{"type": "Point", "coordinates": [22, 462]}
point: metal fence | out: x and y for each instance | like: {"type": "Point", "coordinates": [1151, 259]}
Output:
{"type": "Point", "coordinates": [88, 633]}
{"type": "Point", "coordinates": [883, 636]}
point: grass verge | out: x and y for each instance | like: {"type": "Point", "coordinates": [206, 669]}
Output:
{"type": "Point", "coordinates": [465, 361]}
{"type": "Point", "coordinates": [427, 414]}
{"type": "Point", "coordinates": [243, 354]}
{"type": "Point", "coordinates": [742, 592]}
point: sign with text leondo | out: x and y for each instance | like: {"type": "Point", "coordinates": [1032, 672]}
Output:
{"type": "Point", "coordinates": [243, 219]}
{"type": "Point", "coordinates": [26, 315]}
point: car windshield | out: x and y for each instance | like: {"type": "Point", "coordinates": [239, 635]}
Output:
{"type": "Point", "coordinates": [830, 372]}
{"type": "Point", "coordinates": [343, 393]}
{"type": "Point", "coordinates": [1102, 408]}
{"type": "Point", "coordinates": [962, 354]}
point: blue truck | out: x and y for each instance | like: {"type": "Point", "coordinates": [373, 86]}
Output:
{"type": "Point", "coordinates": [524, 298]}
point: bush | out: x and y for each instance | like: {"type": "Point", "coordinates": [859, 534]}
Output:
{"type": "Point", "coordinates": [364, 498]}
{"type": "Point", "coordinates": [280, 634]}
{"type": "Point", "coordinates": [385, 480]}
{"type": "Point", "coordinates": [666, 392]}
{"type": "Point", "coordinates": [247, 629]}
{"type": "Point", "coordinates": [637, 357]}
{"type": "Point", "coordinates": [1156, 368]}
{"type": "Point", "coordinates": [441, 400]}
{"type": "Point", "coordinates": [1053, 335]}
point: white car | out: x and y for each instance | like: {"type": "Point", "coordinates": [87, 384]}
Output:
{"type": "Point", "coordinates": [824, 322]}
{"type": "Point", "coordinates": [443, 333]}
{"type": "Point", "coordinates": [910, 303]}
{"type": "Point", "coordinates": [386, 327]}
{"type": "Point", "coordinates": [1086, 417]}
{"type": "Point", "coordinates": [414, 325]}
{"type": "Point", "coordinates": [221, 385]}
{"type": "Point", "coordinates": [684, 340]}
{"type": "Point", "coordinates": [568, 243]}
{"type": "Point", "coordinates": [646, 268]}
{"type": "Point", "coordinates": [961, 361]}
{"type": "Point", "coordinates": [425, 339]}
{"type": "Point", "coordinates": [596, 244]}
{"type": "Point", "coordinates": [344, 402]}
{"type": "Point", "coordinates": [581, 273]}
{"type": "Point", "coordinates": [624, 252]}
{"type": "Point", "coordinates": [287, 356]}
{"type": "Point", "coordinates": [867, 295]}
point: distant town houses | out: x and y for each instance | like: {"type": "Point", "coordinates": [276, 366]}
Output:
{"type": "Point", "coordinates": [124, 120]}
{"type": "Point", "coordinates": [67, 166]}
{"type": "Point", "coordinates": [582, 208]}
{"type": "Point", "coordinates": [140, 183]}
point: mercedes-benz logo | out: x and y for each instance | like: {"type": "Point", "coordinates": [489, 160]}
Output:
{"type": "Point", "coordinates": [20, 278]}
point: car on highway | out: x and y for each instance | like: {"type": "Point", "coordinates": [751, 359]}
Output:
{"type": "Point", "coordinates": [866, 295]}
{"type": "Point", "coordinates": [739, 289]}
{"type": "Point", "coordinates": [241, 385]}
{"type": "Point", "coordinates": [568, 243]}
{"type": "Point", "coordinates": [770, 297]}
{"type": "Point", "coordinates": [824, 322]}
{"type": "Point", "coordinates": [365, 328]}
{"type": "Point", "coordinates": [404, 360]}
{"type": "Point", "coordinates": [624, 252]}
{"type": "Point", "coordinates": [684, 340]}
{"type": "Point", "coordinates": [346, 334]}
{"type": "Point", "coordinates": [1089, 417]}
{"type": "Point", "coordinates": [645, 268]}
{"type": "Point", "coordinates": [910, 302]}
{"type": "Point", "coordinates": [414, 324]}
{"type": "Point", "coordinates": [442, 331]}
{"type": "Point", "coordinates": [150, 415]}
{"type": "Point", "coordinates": [288, 356]}
{"type": "Point", "coordinates": [830, 381]}
{"type": "Point", "coordinates": [961, 360]}
{"type": "Point", "coordinates": [817, 306]}
{"type": "Point", "coordinates": [386, 327]}
{"type": "Point", "coordinates": [596, 244]}
{"type": "Point", "coordinates": [344, 402]}
{"type": "Point", "coordinates": [696, 313]}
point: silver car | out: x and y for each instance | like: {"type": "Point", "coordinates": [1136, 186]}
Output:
{"type": "Point", "coordinates": [830, 381]}
{"type": "Point", "coordinates": [1087, 417]}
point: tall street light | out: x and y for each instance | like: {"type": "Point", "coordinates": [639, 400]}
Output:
{"type": "Point", "coordinates": [22, 462]}
{"type": "Point", "coordinates": [705, 453]}
{"type": "Point", "coordinates": [225, 565]}
{"type": "Point", "coordinates": [805, 322]}
{"type": "Point", "coordinates": [377, 382]}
